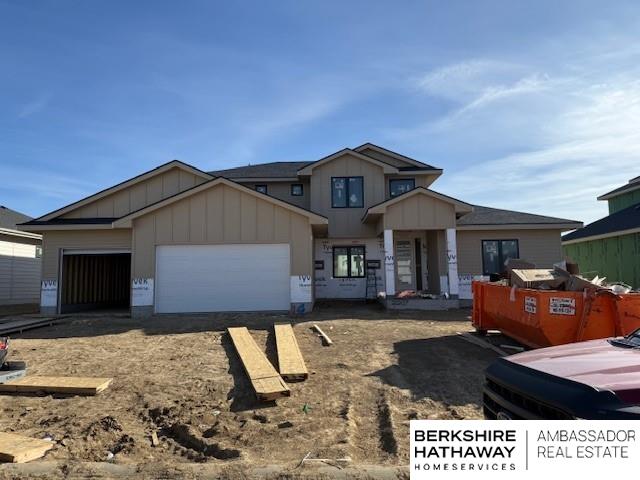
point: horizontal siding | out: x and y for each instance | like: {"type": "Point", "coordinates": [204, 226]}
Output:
{"type": "Point", "coordinates": [541, 247]}
{"type": "Point", "coordinates": [139, 195]}
{"type": "Point", "coordinates": [54, 241]}
{"type": "Point", "coordinates": [19, 274]}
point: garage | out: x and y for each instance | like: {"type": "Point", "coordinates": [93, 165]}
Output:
{"type": "Point", "coordinates": [95, 280]}
{"type": "Point", "coordinates": [222, 278]}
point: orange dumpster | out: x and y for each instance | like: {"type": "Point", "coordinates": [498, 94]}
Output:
{"type": "Point", "coordinates": [542, 318]}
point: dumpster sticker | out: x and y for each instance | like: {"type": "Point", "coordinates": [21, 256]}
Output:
{"type": "Point", "coordinates": [530, 304]}
{"type": "Point", "coordinates": [562, 306]}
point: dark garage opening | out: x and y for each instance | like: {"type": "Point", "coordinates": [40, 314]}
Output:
{"type": "Point", "coordinates": [95, 282]}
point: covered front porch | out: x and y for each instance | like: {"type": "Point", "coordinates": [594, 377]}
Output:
{"type": "Point", "coordinates": [418, 232]}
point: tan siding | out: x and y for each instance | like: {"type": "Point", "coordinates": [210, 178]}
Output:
{"type": "Point", "coordinates": [420, 212]}
{"type": "Point", "coordinates": [346, 222]}
{"type": "Point", "coordinates": [541, 247]}
{"type": "Point", "coordinates": [282, 191]}
{"type": "Point", "coordinates": [220, 215]}
{"type": "Point", "coordinates": [139, 195]}
{"type": "Point", "coordinates": [54, 241]}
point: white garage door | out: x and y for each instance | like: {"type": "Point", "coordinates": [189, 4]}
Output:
{"type": "Point", "coordinates": [222, 278]}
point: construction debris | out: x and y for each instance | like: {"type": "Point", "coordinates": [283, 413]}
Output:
{"type": "Point", "coordinates": [266, 381]}
{"type": "Point", "coordinates": [64, 385]}
{"type": "Point", "coordinates": [18, 449]}
{"type": "Point", "coordinates": [290, 361]}
{"type": "Point", "coordinates": [325, 338]}
{"type": "Point", "coordinates": [538, 278]}
{"type": "Point", "coordinates": [482, 343]}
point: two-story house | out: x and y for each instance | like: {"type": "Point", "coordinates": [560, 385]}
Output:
{"type": "Point", "coordinates": [277, 236]}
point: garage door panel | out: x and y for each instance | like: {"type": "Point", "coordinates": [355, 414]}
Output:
{"type": "Point", "coordinates": [218, 278]}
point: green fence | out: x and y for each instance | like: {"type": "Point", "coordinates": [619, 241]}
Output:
{"type": "Point", "coordinates": [617, 258]}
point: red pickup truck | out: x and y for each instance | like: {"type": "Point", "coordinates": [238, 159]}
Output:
{"type": "Point", "coordinates": [598, 379]}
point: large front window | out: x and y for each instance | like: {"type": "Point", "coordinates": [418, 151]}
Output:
{"type": "Point", "coordinates": [398, 186]}
{"type": "Point", "coordinates": [495, 253]}
{"type": "Point", "coordinates": [347, 192]}
{"type": "Point", "coordinates": [348, 262]}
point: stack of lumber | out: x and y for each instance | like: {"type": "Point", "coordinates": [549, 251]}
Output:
{"type": "Point", "coordinates": [18, 449]}
{"type": "Point", "coordinates": [64, 385]}
{"type": "Point", "coordinates": [266, 381]}
{"type": "Point", "coordinates": [290, 361]}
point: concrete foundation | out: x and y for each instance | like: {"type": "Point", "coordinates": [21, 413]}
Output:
{"type": "Point", "coordinates": [421, 303]}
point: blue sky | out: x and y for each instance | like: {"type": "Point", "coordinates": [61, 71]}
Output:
{"type": "Point", "coordinates": [531, 106]}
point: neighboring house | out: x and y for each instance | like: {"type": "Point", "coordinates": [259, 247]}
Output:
{"type": "Point", "coordinates": [610, 247]}
{"type": "Point", "coordinates": [278, 236]}
{"type": "Point", "coordinates": [20, 263]}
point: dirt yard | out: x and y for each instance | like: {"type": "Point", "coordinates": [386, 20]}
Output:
{"type": "Point", "coordinates": [181, 377]}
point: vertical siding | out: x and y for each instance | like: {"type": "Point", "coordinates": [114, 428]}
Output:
{"type": "Point", "coordinates": [617, 258]}
{"type": "Point", "coordinates": [221, 215]}
{"type": "Point", "coordinates": [282, 191]}
{"type": "Point", "coordinates": [623, 201]}
{"type": "Point", "coordinates": [420, 212]}
{"type": "Point", "coordinates": [140, 195]}
{"type": "Point", "coordinates": [346, 222]}
{"type": "Point", "coordinates": [541, 247]}
{"type": "Point", "coordinates": [19, 273]}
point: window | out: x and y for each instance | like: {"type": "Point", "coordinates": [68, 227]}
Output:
{"type": "Point", "coordinates": [347, 192]}
{"type": "Point", "coordinates": [38, 251]}
{"type": "Point", "coordinates": [297, 190]}
{"type": "Point", "coordinates": [261, 189]}
{"type": "Point", "coordinates": [348, 262]}
{"type": "Point", "coordinates": [496, 252]}
{"type": "Point", "coordinates": [398, 186]}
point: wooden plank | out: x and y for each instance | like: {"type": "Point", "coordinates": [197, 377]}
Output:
{"type": "Point", "coordinates": [266, 381]}
{"type": "Point", "coordinates": [290, 361]}
{"type": "Point", "coordinates": [18, 449]}
{"type": "Point", "coordinates": [68, 385]}
{"type": "Point", "coordinates": [18, 326]}
{"type": "Point", "coordinates": [325, 338]}
{"type": "Point", "coordinates": [482, 343]}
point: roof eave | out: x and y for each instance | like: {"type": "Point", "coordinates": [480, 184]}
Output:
{"type": "Point", "coordinates": [523, 226]}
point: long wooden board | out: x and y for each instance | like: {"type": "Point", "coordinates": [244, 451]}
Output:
{"type": "Point", "coordinates": [290, 361]}
{"type": "Point", "coordinates": [67, 385]}
{"type": "Point", "coordinates": [266, 381]}
{"type": "Point", "coordinates": [18, 449]}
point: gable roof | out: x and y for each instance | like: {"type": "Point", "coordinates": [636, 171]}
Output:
{"type": "Point", "coordinates": [379, 208]}
{"type": "Point", "coordinates": [417, 165]}
{"type": "Point", "coordinates": [263, 170]}
{"type": "Point", "coordinates": [622, 222]}
{"type": "Point", "coordinates": [127, 183]}
{"type": "Point", "coordinates": [482, 217]}
{"type": "Point", "coordinates": [10, 218]}
{"type": "Point", "coordinates": [307, 169]}
{"type": "Point", "coordinates": [634, 184]}
{"type": "Point", "coordinates": [126, 221]}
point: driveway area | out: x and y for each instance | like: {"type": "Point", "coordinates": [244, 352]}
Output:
{"type": "Point", "coordinates": [181, 377]}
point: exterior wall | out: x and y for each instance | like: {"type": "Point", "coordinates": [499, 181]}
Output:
{"type": "Point", "coordinates": [541, 247]}
{"type": "Point", "coordinates": [282, 191]}
{"type": "Point", "coordinates": [19, 271]}
{"type": "Point", "coordinates": [419, 212]}
{"type": "Point", "coordinates": [346, 288]}
{"type": "Point", "coordinates": [221, 215]}
{"type": "Point", "coordinates": [139, 195]}
{"type": "Point", "coordinates": [623, 201]}
{"type": "Point", "coordinates": [346, 222]}
{"type": "Point", "coordinates": [420, 181]}
{"type": "Point", "coordinates": [617, 258]}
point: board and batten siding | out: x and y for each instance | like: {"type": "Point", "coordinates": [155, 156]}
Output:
{"type": "Point", "coordinates": [54, 241]}
{"type": "Point", "coordinates": [221, 215]}
{"type": "Point", "coordinates": [347, 222]}
{"type": "Point", "coordinates": [19, 273]}
{"type": "Point", "coordinates": [138, 195]}
{"type": "Point", "coordinates": [282, 191]}
{"type": "Point", "coordinates": [541, 247]}
{"type": "Point", "coordinates": [418, 212]}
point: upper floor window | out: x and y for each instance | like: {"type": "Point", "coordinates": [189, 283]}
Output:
{"type": "Point", "coordinates": [347, 192]}
{"type": "Point", "coordinates": [297, 190]}
{"type": "Point", "coordinates": [398, 186]}
{"type": "Point", "coordinates": [495, 254]}
{"type": "Point", "coordinates": [261, 189]}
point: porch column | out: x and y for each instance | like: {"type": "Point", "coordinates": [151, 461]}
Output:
{"type": "Point", "coordinates": [389, 264]}
{"type": "Point", "coordinates": [452, 262]}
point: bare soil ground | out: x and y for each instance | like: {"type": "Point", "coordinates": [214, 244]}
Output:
{"type": "Point", "coordinates": [181, 377]}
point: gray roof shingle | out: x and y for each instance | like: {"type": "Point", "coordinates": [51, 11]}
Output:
{"type": "Point", "coordinates": [625, 219]}
{"type": "Point", "coordinates": [495, 216]}
{"type": "Point", "coordinates": [262, 170]}
{"type": "Point", "coordinates": [9, 218]}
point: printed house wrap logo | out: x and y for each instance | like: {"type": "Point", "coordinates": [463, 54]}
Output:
{"type": "Point", "coordinates": [441, 448]}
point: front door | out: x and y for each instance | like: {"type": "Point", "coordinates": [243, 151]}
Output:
{"type": "Point", "coordinates": [405, 265]}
